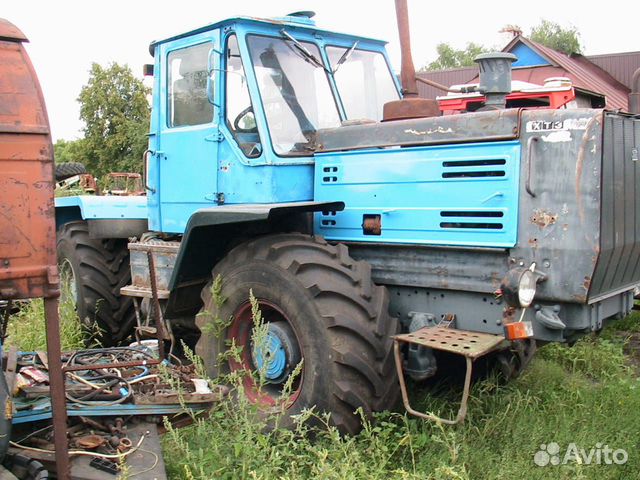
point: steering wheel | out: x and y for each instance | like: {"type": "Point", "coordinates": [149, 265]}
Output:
{"type": "Point", "coordinates": [240, 116]}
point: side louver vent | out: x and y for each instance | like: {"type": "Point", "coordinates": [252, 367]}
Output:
{"type": "Point", "coordinates": [471, 219]}
{"type": "Point", "coordinates": [326, 219]}
{"type": "Point", "coordinates": [484, 168]}
{"type": "Point", "coordinates": [330, 174]}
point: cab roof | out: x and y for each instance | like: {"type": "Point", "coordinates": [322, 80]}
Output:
{"type": "Point", "coordinates": [292, 21]}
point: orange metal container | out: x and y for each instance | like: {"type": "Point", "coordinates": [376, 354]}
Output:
{"type": "Point", "coordinates": [27, 216]}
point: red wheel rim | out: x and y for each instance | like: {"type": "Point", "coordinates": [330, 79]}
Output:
{"type": "Point", "coordinates": [240, 331]}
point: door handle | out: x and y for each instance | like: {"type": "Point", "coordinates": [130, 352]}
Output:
{"type": "Point", "coordinates": [210, 80]}
{"type": "Point", "coordinates": [530, 151]}
{"type": "Point", "coordinates": [145, 167]}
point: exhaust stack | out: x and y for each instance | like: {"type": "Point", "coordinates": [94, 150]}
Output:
{"type": "Point", "coordinates": [411, 106]}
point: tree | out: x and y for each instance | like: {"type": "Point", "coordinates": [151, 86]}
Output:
{"type": "Point", "coordinates": [70, 151]}
{"type": "Point", "coordinates": [115, 110]}
{"type": "Point", "coordinates": [449, 57]}
{"type": "Point", "coordinates": [552, 35]}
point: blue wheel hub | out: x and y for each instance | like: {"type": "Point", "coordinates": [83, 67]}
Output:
{"type": "Point", "coordinates": [280, 353]}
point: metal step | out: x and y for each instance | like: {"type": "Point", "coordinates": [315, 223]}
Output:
{"type": "Point", "coordinates": [462, 342]}
{"type": "Point", "coordinates": [470, 345]}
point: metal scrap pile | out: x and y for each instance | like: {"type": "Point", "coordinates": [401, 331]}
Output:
{"type": "Point", "coordinates": [107, 377]}
{"type": "Point", "coordinates": [105, 389]}
{"type": "Point", "coordinates": [105, 440]}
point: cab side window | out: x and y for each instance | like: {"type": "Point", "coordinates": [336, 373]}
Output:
{"type": "Point", "coordinates": [187, 102]}
{"type": "Point", "coordinates": [240, 116]}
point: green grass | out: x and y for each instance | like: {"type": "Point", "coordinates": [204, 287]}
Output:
{"type": "Point", "coordinates": [587, 394]}
{"type": "Point", "coordinates": [26, 329]}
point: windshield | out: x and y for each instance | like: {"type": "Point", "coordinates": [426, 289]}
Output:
{"type": "Point", "coordinates": [364, 82]}
{"type": "Point", "coordinates": [295, 92]}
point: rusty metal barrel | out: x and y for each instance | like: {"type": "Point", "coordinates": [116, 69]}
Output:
{"type": "Point", "coordinates": [27, 215]}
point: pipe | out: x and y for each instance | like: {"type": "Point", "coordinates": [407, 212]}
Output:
{"type": "Point", "coordinates": [437, 85]}
{"type": "Point", "coordinates": [5, 417]}
{"type": "Point", "coordinates": [407, 70]}
{"type": "Point", "coordinates": [634, 96]}
{"type": "Point", "coordinates": [155, 306]}
{"type": "Point", "coordinates": [56, 387]}
{"type": "Point", "coordinates": [411, 105]}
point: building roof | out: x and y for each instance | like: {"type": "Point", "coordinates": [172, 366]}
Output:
{"type": "Point", "coordinates": [580, 70]}
{"type": "Point", "coordinates": [537, 63]}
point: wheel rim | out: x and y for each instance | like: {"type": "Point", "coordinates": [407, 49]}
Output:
{"type": "Point", "coordinates": [278, 355]}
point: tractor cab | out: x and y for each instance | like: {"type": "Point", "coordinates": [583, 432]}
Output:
{"type": "Point", "coordinates": [247, 93]}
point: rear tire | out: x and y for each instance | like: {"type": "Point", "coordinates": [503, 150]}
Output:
{"type": "Point", "coordinates": [339, 319]}
{"type": "Point", "coordinates": [98, 269]}
{"type": "Point", "coordinates": [69, 169]}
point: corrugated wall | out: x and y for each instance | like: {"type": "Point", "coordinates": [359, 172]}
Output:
{"type": "Point", "coordinates": [619, 65]}
{"type": "Point", "coordinates": [454, 76]}
{"type": "Point", "coordinates": [618, 264]}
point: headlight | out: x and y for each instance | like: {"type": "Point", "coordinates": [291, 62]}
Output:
{"type": "Point", "coordinates": [526, 288]}
{"type": "Point", "coordinates": [519, 287]}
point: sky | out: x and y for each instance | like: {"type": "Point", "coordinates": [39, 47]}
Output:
{"type": "Point", "coordinates": [66, 36]}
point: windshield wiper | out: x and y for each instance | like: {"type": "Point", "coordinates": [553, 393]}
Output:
{"type": "Point", "coordinates": [270, 60]}
{"type": "Point", "coordinates": [345, 56]}
{"type": "Point", "coordinates": [306, 54]}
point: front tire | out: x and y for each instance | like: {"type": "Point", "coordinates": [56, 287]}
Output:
{"type": "Point", "coordinates": [97, 269]}
{"type": "Point", "coordinates": [337, 317]}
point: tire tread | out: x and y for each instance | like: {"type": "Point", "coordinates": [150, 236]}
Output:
{"type": "Point", "coordinates": [103, 269]}
{"type": "Point", "coordinates": [362, 347]}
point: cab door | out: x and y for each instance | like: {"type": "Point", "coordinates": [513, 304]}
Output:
{"type": "Point", "coordinates": [187, 136]}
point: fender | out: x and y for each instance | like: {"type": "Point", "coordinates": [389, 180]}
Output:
{"type": "Point", "coordinates": [212, 232]}
{"type": "Point", "coordinates": [107, 216]}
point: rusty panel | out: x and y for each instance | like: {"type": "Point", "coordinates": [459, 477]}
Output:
{"type": "Point", "coordinates": [472, 127]}
{"type": "Point", "coordinates": [8, 31]}
{"type": "Point", "coordinates": [164, 254]}
{"type": "Point", "coordinates": [27, 224]}
{"type": "Point", "coordinates": [470, 270]}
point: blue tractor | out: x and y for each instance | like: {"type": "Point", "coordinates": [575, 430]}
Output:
{"type": "Point", "coordinates": [283, 160]}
